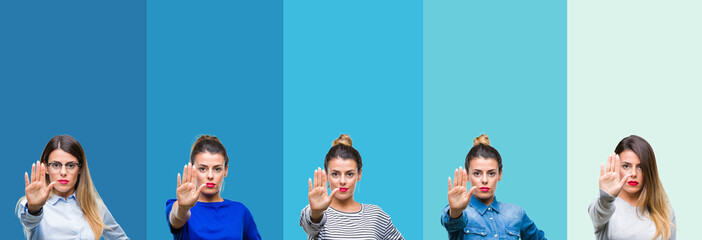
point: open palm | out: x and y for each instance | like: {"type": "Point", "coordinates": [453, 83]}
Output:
{"type": "Point", "coordinates": [36, 190]}
{"type": "Point", "coordinates": [317, 194]}
{"type": "Point", "coordinates": [188, 192]}
{"type": "Point", "coordinates": [458, 197]}
{"type": "Point", "coordinates": [609, 176]}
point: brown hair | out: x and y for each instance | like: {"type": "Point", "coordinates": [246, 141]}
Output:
{"type": "Point", "coordinates": [86, 195]}
{"type": "Point", "coordinates": [481, 148]}
{"type": "Point", "coordinates": [209, 144]}
{"type": "Point", "coordinates": [342, 148]}
{"type": "Point", "coordinates": [653, 200]}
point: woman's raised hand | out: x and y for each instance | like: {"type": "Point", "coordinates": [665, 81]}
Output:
{"type": "Point", "coordinates": [188, 193]}
{"type": "Point", "coordinates": [36, 190]}
{"type": "Point", "coordinates": [458, 197]}
{"type": "Point", "coordinates": [609, 176]}
{"type": "Point", "coordinates": [319, 200]}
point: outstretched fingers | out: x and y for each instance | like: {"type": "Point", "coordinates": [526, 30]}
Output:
{"type": "Point", "coordinates": [26, 179]}
{"type": "Point", "coordinates": [624, 180]}
{"type": "Point", "coordinates": [470, 192]}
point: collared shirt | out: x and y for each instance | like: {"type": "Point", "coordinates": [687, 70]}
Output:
{"type": "Point", "coordinates": [495, 221]}
{"type": "Point", "coordinates": [62, 218]}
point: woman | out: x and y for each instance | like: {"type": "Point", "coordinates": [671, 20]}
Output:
{"type": "Point", "coordinates": [477, 214]}
{"type": "Point", "coordinates": [200, 212]}
{"type": "Point", "coordinates": [632, 203]}
{"type": "Point", "coordinates": [338, 215]}
{"type": "Point", "coordinates": [60, 200]}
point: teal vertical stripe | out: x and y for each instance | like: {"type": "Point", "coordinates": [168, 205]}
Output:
{"type": "Point", "coordinates": [355, 67]}
{"type": "Point", "coordinates": [215, 67]}
{"type": "Point", "coordinates": [497, 68]}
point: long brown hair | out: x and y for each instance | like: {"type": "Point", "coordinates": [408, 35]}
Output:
{"type": "Point", "coordinates": [86, 195]}
{"type": "Point", "coordinates": [653, 201]}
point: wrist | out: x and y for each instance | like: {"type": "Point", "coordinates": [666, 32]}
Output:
{"type": "Point", "coordinates": [34, 210]}
{"type": "Point", "coordinates": [316, 216]}
{"type": "Point", "coordinates": [455, 213]}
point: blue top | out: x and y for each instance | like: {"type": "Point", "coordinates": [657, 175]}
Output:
{"type": "Point", "coordinates": [498, 220]}
{"type": "Point", "coordinates": [216, 220]}
{"type": "Point", "coordinates": [62, 218]}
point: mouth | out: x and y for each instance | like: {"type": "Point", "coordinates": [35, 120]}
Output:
{"type": "Point", "coordinates": [210, 185]}
{"type": "Point", "coordinates": [484, 189]}
{"type": "Point", "coordinates": [63, 181]}
{"type": "Point", "coordinates": [343, 189]}
{"type": "Point", "coordinates": [633, 183]}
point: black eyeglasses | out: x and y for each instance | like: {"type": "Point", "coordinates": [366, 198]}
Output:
{"type": "Point", "coordinates": [71, 167]}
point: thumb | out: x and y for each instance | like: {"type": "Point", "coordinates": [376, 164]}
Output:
{"type": "Point", "coordinates": [470, 192]}
{"type": "Point", "coordinates": [199, 190]}
{"type": "Point", "coordinates": [624, 180]}
{"type": "Point", "coordinates": [336, 190]}
{"type": "Point", "coordinates": [48, 188]}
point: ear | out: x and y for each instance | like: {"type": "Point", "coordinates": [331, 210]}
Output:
{"type": "Point", "coordinates": [360, 171]}
{"type": "Point", "coordinates": [226, 170]}
{"type": "Point", "coordinates": [499, 176]}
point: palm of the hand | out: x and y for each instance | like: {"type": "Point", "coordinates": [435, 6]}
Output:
{"type": "Point", "coordinates": [187, 194]}
{"type": "Point", "coordinates": [458, 197]}
{"type": "Point", "coordinates": [610, 181]}
{"type": "Point", "coordinates": [319, 200]}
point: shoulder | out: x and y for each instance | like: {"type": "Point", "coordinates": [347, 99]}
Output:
{"type": "Point", "coordinates": [374, 210]}
{"type": "Point", "coordinates": [233, 204]}
{"type": "Point", "coordinates": [512, 210]}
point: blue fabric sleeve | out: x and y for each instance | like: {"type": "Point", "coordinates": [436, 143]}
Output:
{"type": "Point", "coordinates": [529, 229]}
{"type": "Point", "coordinates": [177, 233]}
{"type": "Point", "coordinates": [250, 229]}
{"type": "Point", "coordinates": [454, 226]}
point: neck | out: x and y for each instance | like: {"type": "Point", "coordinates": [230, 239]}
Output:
{"type": "Point", "coordinates": [348, 205]}
{"type": "Point", "coordinates": [487, 201]}
{"type": "Point", "coordinates": [210, 198]}
{"type": "Point", "coordinates": [631, 198]}
{"type": "Point", "coordinates": [64, 195]}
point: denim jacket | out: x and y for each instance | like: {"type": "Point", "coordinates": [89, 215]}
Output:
{"type": "Point", "coordinates": [496, 221]}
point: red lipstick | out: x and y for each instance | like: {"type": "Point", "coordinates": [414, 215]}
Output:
{"type": "Point", "coordinates": [484, 189]}
{"type": "Point", "coordinates": [343, 189]}
{"type": "Point", "coordinates": [63, 181]}
{"type": "Point", "coordinates": [210, 185]}
{"type": "Point", "coordinates": [633, 183]}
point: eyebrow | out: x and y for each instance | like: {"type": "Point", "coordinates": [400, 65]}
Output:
{"type": "Point", "coordinates": [203, 165]}
{"type": "Point", "coordinates": [480, 170]}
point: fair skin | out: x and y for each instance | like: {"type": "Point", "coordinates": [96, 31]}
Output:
{"type": "Point", "coordinates": [342, 175]}
{"type": "Point", "coordinates": [207, 173]}
{"type": "Point", "coordinates": [63, 173]}
{"type": "Point", "coordinates": [623, 176]}
{"type": "Point", "coordinates": [483, 175]}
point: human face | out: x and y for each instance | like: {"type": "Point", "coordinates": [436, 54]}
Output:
{"type": "Point", "coordinates": [484, 174]}
{"type": "Point", "coordinates": [210, 170]}
{"type": "Point", "coordinates": [631, 164]}
{"type": "Point", "coordinates": [343, 174]}
{"type": "Point", "coordinates": [65, 178]}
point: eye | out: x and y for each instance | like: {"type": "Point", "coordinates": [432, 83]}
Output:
{"type": "Point", "coordinates": [625, 166]}
{"type": "Point", "coordinates": [201, 169]}
{"type": "Point", "coordinates": [71, 165]}
{"type": "Point", "coordinates": [492, 174]}
{"type": "Point", "coordinates": [218, 169]}
{"type": "Point", "coordinates": [476, 174]}
{"type": "Point", "coordinates": [639, 167]}
{"type": "Point", "coordinates": [55, 165]}
{"type": "Point", "coordinates": [349, 174]}
{"type": "Point", "coordinates": [334, 174]}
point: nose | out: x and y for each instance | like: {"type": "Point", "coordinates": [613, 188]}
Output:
{"type": "Point", "coordinates": [63, 171]}
{"type": "Point", "coordinates": [633, 172]}
{"type": "Point", "coordinates": [342, 181]}
{"type": "Point", "coordinates": [210, 175]}
{"type": "Point", "coordinates": [484, 179]}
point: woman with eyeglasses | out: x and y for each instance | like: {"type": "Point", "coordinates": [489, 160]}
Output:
{"type": "Point", "coordinates": [60, 199]}
{"type": "Point", "coordinates": [199, 211]}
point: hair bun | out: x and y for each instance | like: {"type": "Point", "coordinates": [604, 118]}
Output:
{"type": "Point", "coordinates": [343, 139]}
{"type": "Point", "coordinates": [482, 139]}
{"type": "Point", "coordinates": [207, 137]}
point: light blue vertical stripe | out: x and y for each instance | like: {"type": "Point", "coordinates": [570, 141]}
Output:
{"type": "Point", "coordinates": [497, 68]}
{"type": "Point", "coordinates": [355, 67]}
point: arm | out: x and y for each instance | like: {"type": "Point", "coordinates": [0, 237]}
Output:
{"type": "Point", "coordinates": [529, 229]}
{"type": "Point", "coordinates": [29, 221]}
{"type": "Point", "coordinates": [391, 231]}
{"type": "Point", "coordinates": [311, 228]}
{"type": "Point", "coordinates": [601, 210]}
{"type": "Point", "coordinates": [188, 194]}
{"type": "Point", "coordinates": [454, 226]}
{"type": "Point", "coordinates": [112, 229]}
{"type": "Point", "coordinates": [250, 229]}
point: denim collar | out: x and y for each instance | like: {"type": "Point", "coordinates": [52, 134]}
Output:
{"type": "Point", "coordinates": [55, 198]}
{"type": "Point", "coordinates": [481, 207]}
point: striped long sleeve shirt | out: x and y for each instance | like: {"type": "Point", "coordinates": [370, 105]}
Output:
{"type": "Point", "coordinates": [370, 223]}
